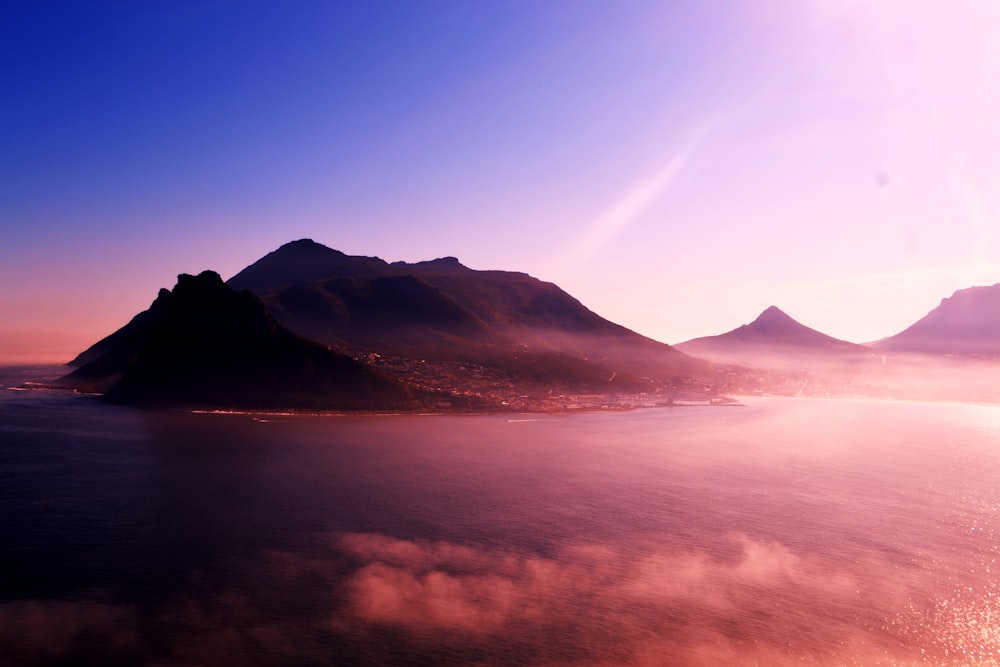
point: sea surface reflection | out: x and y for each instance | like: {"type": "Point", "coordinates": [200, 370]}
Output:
{"type": "Point", "coordinates": [785, 531]}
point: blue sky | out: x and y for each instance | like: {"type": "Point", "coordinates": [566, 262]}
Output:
{"type": "Point", "coordinates": [677, 166]}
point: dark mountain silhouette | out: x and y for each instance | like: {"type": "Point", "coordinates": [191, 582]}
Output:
{"type": "Point", "coordinates": [966, 323]}
{"type": "Point", "coordinates": [375, 311]}
{"type": "Point", "coordinates": [373, 335]}
{"type": "Point", "coordinates": [442, 310]}
{"type": "Point", "coordinates": [113, 354]}
{"type": "Point", "coordinates": [204, 345]}
{"type": "Point", "coordinates": [772, 333]}
{"type": "Point", "coordinates": [302, 261]}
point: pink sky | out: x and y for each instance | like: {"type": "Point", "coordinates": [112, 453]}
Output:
{"type": "Point", "coordinates": [677, 167]}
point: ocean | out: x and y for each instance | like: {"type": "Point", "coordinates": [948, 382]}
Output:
{"type": "Point", "coordinates": [781, 531]}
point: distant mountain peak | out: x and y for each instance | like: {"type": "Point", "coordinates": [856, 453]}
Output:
{"type": "Point", "coordinates": [777, 323]}
{"type": "Point", "coordinates": [773, 328]}
{"type": "Point", "coordinates": [773, 315]}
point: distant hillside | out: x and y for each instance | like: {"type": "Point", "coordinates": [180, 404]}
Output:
{"type": "Point", "coordinates": [773, 334]}
{"type": "Point", "coordinates": [444, 311]}
{"type": "Point", "coordinates": [204, 345]}
{"type": "Point", "coordinates": [967, 323]}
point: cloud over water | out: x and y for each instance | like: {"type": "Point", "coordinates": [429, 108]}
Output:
{"type": "Point", "coordinates": [760, 604]}
{"type": "Point", "coordinates": [370, 598]}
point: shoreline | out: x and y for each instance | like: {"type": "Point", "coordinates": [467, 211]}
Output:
{"type": "Point", "coordinates": [46, 377]}
{"type": "Point", "coordinates": [614, 405]}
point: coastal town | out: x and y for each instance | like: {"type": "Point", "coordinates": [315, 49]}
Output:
{"type": "Point", "coordinates": [467, 386]}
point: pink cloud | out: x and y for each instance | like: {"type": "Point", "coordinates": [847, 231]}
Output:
{"type": "Point", "coordinates": [766, 604]}
{"type": "Point", "coordinates": [752, 602]}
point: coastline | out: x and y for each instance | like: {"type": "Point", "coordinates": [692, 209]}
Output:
{"type": "Point", "coordinates": [46, 377]}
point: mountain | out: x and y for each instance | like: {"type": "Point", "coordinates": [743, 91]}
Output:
{"type": "Point", "coordinates": [114, 353]}
{"type": "Point", "coordinates": [773, 336]}
{"type": "Point", "coordinates": [205, 345]}
{"type": "Point", "coordinates": [442, 311]}
{"type": "Point", "coordinates": [966, 323]}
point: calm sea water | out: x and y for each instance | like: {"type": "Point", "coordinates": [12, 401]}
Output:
{"type": "Point", "coordinates": [785, 531]}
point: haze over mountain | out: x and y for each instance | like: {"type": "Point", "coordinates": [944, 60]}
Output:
{"type": "Point", "coordinates": [966, 323]}
{"type": "Point", "coordinates": [772, 333]}
{"type": "Point", "coordinates": [376, 335]}
{"type": "Point", "coordinates": [204, 345]}
{"type": "Point", "coordinates": [373, 335]}
{"type": "Point", "coordinates": [441, 310]}
{"type": "Point", "coordinates": [789, 358]}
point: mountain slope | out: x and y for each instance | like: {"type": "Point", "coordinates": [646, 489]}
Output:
{"type": "Point", "coordinates": [966, 323]}
{"type": "Point", "coordinates": [204, 345]}
{"type": "Point", "coordinates": [114, 353]}
{"type": "Point", "coordinates": [298, 261]}
{"type": "Point", "coordinates": [772, 333]}
{"type": "Point", "coordinates": [500, 300]}
{"type": "Point", "coordinates": [445, 311]}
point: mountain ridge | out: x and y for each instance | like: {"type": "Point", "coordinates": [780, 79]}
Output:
{"type": "Point", "coordinates": [204, 345]}
{"type": "Point", "coordinates": [774, 329]}
{"type": "Point", "coordinates": [966, 323]}
{"type": "Point", "coordinates": [433, 332]}
{"type": "Point", "coordinates": [438, 332]}
{"type": "Point", "coordinates": [492, 317]}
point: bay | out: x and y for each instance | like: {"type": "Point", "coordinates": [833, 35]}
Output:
{"type": "Point", "coordinates": [782, 531]}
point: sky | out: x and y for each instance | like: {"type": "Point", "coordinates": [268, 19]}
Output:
{"type": "Point", "coordinates": [677, 166]}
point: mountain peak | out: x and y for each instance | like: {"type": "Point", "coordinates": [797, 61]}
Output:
{"type": "Point", "coordinates": [206, 285]}
{"type": "Point", "coordinates": [305, 247]}
{"type": "Point", "coordinates": [209, 346]}
{"type": "Point", "coordinates": [773, 314]}
{"type": "Point", "coordinates": [301, 260]}
{"type": "Point", "coordinates": [774, 321]}
{"type": "Point", "coordinates": [773, 328]}
{"type": "Point", "coordinates": [206, 278]}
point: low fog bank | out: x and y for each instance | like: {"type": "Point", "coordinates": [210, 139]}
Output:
{"type": "Point", "coordinates": [383, 600]}
{"type": "Point", "coordinates": [770, 371]}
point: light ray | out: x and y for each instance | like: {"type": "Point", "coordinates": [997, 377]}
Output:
{"type": "Point", "coordinates": [628, 207]}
